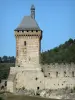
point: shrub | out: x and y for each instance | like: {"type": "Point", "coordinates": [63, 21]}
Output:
{"type": "Point", "coordinates": [1, 98]}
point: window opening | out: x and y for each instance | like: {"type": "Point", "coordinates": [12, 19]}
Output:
{"type": "Point", "coordinates": [64, 73]}
{"type": "Point", "coordinates": [36, 30]}
{"type": "Point", "coordinates": [25, 43]}
{"type": "Point", "coordinates": [38, 88]}
{"type": "Point", "coordinates": [36, 78]}
{"type": "Point", "coordinates": [49, 73]}
{"type": "Point", "coordinates": [72, 73]}
{"type": "Point", "coordinates": [56, 74]}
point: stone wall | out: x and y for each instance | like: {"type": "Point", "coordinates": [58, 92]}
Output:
{"type": "Point", "coordinates": [59, 75]}
{"type": "Point", "coordinates": [55, 76]}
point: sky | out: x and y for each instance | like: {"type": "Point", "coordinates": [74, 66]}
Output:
{"type": "Point", "coordinates": [56, 18]}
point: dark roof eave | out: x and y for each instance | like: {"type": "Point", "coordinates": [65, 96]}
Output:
{"type": "Point", "coordinates": [28, 30]}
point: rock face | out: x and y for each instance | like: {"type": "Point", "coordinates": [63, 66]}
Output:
{"type": "Point", "coordinates": [27, 73]}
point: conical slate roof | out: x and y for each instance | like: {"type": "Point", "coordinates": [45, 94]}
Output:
{"type": "Point", "coordinates": [28, 23]}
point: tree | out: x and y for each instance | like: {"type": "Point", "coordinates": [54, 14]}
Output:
{"type": "Point", "coordinates": [4, 59]}
{"type": "Point", "coordinates": [65, 53]}
{"type": "Point", "coordinates": [0, 59]}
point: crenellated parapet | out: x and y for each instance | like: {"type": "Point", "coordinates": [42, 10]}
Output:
{"type": "Point", "coordinates": [28, 34]}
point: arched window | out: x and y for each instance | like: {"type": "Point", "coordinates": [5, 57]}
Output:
{"type": "Point", "coordinates": [25, 43]}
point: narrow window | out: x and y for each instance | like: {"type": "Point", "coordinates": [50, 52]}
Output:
{"type": "Point", "coordinates": [0, 81]}
{"type": "Point", "coordinates": [25, 43]}
{"type": "Point", "coordinates": [72, 73]}
{"type": "Point", "coordinates": [64, 73]}
{"type": "Point", "coordinates": [5, 83]}
{"type": "Point", "coordinates": [49, 74]}
{"type": "Point", "coordinates": [56, 74]}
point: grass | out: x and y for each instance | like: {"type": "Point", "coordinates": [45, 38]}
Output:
{"type": "Point", "coordinates": [23, 97]}
{"type": "Point", "coordinates": [10, 96]}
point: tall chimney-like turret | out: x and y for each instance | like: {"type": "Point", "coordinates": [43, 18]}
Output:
{"type": "Point", "coordinates": [33, 12]}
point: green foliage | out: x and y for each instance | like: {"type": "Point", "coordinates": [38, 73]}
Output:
{"type": "Point", "coordinates": [5, 63]}
{"type": "Point", "coordinates": [4, 70]}
{"type": "Point", "coordinates": [7, 59]}
{"type": "Point", "coordinates": [1, 98]}
{"type": "Point", "coordinates": [65, 53]}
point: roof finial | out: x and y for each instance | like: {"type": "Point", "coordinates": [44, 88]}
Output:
{"type": "Point", "coordinates": [33, 12]}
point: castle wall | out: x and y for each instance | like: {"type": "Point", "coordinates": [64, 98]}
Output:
{"type": "Point", "coordinates": [54, 77]}
{"type": "Point", "coordinates": [57, 83]}
{"type": "Point", "coordinates": [59, 76]}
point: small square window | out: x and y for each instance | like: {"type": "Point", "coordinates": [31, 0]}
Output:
{"type": "Point", "coordinates": [38, 88]}
{"type": "Point", "coordinates": [49, 73]}
{"type": "Point", "coordinates": [36, 30]}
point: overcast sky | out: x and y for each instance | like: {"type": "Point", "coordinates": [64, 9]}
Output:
{"type": "Point", "coordinates": [55, 17]}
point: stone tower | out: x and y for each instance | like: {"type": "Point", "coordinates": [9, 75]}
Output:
{"type": "Point", "coordinates": [28, 40]}
{"type": "Point", "coordinates": [27, 72]}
